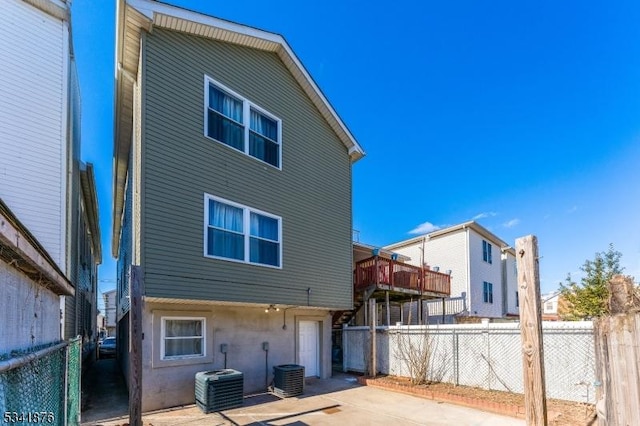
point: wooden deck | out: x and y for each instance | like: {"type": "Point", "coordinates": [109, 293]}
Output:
{"type": "Point", "coordinates": [377, 273]}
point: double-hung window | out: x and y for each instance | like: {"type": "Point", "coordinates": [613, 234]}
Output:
{"type": "Point", "coordinates": [240, 233]}
{"type": "Point", "coordinates": [486, 251]}
{"type": "Point", "coordinates": [487, 292]}
{"type": "Point", "coordinates": [183, 337]}
{"type": "Point", "coordinates": [235, 121]}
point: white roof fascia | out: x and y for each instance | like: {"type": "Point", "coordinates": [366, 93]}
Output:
{"type": "Point", "coordinates": [57, 8]}
{"type": "Point", "coordinates": [471, 224]}
{"type": "Point", "coordinates": [15, 239]}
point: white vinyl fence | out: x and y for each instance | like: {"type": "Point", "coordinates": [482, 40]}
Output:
{"type": "Point", "coordinates": [487, 356]}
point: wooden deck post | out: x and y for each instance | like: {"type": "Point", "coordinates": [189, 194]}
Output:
{"type": "Point", "coordinates": [386, 301]}
{"type": "Point", "coordinates": [366, 309]}
{"type": "Point", "coordinates": [531, 330]}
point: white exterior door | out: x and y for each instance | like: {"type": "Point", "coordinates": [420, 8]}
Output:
{"type": "Point", "coordinates": [309, 347]}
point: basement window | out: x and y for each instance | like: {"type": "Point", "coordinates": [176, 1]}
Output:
{"type": "Point", "coordinates": [183, 337]}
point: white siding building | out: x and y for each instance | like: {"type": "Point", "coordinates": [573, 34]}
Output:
{"type": "Point", "coordinates": [482, 268]}
{"type": "Point", "coordinates": [550, 305]}
{"type": "Point", "coordinates": [34, 119]}
{"type": "Point", "coordinates": [110, 311]}
{"type": "Point", "coordinates": [43, 183]}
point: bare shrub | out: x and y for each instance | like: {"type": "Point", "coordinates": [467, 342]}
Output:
{"type": "Point", "coordinates": [416, 349]}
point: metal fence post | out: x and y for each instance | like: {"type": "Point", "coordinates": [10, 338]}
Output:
{"type": "Point", "coordinates": [489, 370]}
{"type": "Point", "coordinates": [73, 370]}
{"type": "Point", "coordinates": [66, 386]}
{"type": "Point", "coordinates": [456, 359]}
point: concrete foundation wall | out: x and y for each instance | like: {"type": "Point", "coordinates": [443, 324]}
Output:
{"type": "Point", "coordinates": [168, 383]}
{"type": "Point", "coordinates": [30, 315]}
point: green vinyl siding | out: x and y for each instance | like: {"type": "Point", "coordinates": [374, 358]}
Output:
{"type": "Point", "coordinates": [312, 192]}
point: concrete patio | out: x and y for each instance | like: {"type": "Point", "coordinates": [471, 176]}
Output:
{"type": "Point", "coordinates": [339, 400]}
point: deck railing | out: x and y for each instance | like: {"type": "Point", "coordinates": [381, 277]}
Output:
{"type": "Point", "coordinates": [379, 270]}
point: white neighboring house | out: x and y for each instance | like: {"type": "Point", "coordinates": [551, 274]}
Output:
{"type": "Point", "coordinates": [42, 180]}
{"type": "Point", "coordinates": [110, 311]}
{"type": "Point", "coordinates": [482, 268]}
{"type": "Point", "coordinates": [550, 305]}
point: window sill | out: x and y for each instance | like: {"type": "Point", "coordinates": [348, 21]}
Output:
{"type": "Point", "coordinates": [243, 262]}
{"type": "Point", "coordinates": [207, 359]}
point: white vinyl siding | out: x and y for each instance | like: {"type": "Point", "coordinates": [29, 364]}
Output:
{"type": "Point", "coordinates": [480, 271]}
{"type": "Point", "coordinates": [33, 90]}
{"type": "Point", "coordinates": [447, 253]}
{"type": "Point", "coordinates": [511, 284]}
{"type": "Point", "coordinates": [43, 313]}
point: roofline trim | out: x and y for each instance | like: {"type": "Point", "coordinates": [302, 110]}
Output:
{"type": "Point", "coordinates": [472, 224]}
{"type": "Point", "coordinates": [153, 10]}
{"type": "Point", "coordinates": [17, 238]}
{"type": "Point", "coordinates": [88, 183]}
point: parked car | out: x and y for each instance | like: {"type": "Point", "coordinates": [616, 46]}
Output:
{"type": "Point", "coordinates": [107, 348]}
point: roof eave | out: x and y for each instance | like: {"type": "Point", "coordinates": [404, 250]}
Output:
{"type": "Point", "coordinates": [57, 8]}
{"type": "Point", "coordinates": [129, 25]}
{"type": "Point", "coordinates": [147, 14]}
{"type": "Point", "coordinates": [28, 255]}
{"type": "Point", "coordinates": [455, 228]}
{"type": "Point", "coordinates": [88, 182]}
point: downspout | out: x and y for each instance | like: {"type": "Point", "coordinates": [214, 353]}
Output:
{"type": "Point", "coordinates": [505, 290]}
{"type": "Point", "coordinates": [468, 259]}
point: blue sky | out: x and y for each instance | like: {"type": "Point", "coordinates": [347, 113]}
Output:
{"type": "Point", "coordinates": [522, 115]}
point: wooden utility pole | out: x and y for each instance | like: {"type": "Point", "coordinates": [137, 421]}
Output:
{"type": "Point", "coordinates": [531, 330]}
{"type": "Point", "coordinates": [373, 371]}
{"type": "Point", "coordinates": [135, 346]}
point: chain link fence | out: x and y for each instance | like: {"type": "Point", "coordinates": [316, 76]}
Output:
{"type": "Point", "coordinates": [487, 356]}
{"type": "Point", "coordinates": [41, 386]}
{"type": "Point", "coordinates": [74, 370]}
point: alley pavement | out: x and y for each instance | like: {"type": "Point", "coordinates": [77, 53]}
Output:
{"type": "Point", "coordinates": [336, 401]}
{"type": "Point", "coordinates": [104, 392]}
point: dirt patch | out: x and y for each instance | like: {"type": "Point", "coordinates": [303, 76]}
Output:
{"type": "Point", "coordinates": [559, 413]}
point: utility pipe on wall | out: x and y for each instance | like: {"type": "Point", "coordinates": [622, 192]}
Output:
{"type": "Point", "coordinates": [265, 348]}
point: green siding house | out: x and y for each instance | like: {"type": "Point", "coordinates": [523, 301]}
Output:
{"type": "Point", "coordinates": [232, 192]}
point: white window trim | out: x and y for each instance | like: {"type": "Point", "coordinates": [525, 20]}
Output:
{"type": "Point", "coordinates": [246, 226]}
{"type": "Point", "coordinates": [247, 105]}
{"type": "Point", "coordinates": [163, 321]}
